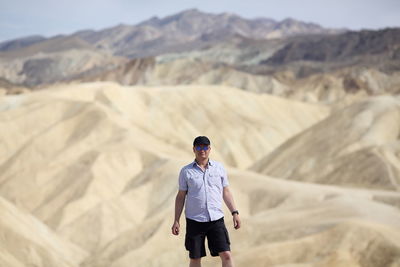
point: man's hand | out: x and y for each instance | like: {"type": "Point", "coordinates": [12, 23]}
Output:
{"type": "Point", "coordinates": [179, 203]}
{"type": "Point", "coordinates": [175, 228]}
{"type": "Point", "coordinates": [236, 221]}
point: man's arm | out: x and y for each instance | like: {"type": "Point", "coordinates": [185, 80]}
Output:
{"type": "Point", "coordinates": [179, 203]}
{"type": "Point", "coordinates": [228, 199]}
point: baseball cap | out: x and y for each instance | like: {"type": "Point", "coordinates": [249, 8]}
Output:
{"type": "Point", "coordinates": [201, 140]}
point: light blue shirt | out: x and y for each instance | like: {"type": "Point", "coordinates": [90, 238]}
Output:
{"type": "Point", "coordinates": [204, 190]}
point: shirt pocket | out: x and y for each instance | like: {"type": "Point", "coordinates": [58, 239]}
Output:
{"type": "Point", "coordinates": [214, 179]}
{"type": "Point", "coordinates": [195, 181]}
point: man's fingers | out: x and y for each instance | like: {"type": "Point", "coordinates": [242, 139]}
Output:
{"type": "Point", "coordinates": [236, 224]}
{"type": "Point", "coordinates": [175, 230]}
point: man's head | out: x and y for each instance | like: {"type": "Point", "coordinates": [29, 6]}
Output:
{"type": "Point", "coordinates": [201, 147]}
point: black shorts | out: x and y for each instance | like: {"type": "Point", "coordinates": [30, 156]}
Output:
{"type": "Point", "coordinates": [216, 233]}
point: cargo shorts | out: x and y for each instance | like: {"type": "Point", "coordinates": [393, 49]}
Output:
{"type": "Point", "coordinates": [196, 233]}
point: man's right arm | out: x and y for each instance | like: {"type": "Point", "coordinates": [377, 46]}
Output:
{"type": "Point", "coordinates": [179, 203]}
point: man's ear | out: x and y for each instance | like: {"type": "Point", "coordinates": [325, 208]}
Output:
{"type": "Point", "coordinates": [194, 149]}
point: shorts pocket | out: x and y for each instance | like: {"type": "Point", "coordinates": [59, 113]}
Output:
{"type": "Point", "coordinates": [188, 242]}
{"type": "Point", "coordinates": [227, 236]}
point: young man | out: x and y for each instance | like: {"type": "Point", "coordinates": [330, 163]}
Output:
{"type": "Point", "coordinates": [204, 184]}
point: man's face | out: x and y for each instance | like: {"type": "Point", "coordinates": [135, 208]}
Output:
{"type": "Point", "coordinates": [202, 151]}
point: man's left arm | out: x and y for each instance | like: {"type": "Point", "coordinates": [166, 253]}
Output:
{"type": "Point", "coordinates": [228, 199]}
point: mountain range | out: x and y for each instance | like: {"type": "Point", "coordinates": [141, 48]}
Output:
{"type": "Point", "coordinates": [192, 47]}
{"type": "Point", "coordinates": [183, 31]}
{"type": "Point", "coordinates": [33, 61]}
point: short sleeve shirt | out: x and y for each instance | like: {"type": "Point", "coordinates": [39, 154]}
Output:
{"type": "Point", "coordinates": [204, 190]}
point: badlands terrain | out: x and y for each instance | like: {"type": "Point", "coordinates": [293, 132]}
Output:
{"type": "Point", "coordinates": [95, 127]}
{"type": "Point", "coordinates": [89, 176]}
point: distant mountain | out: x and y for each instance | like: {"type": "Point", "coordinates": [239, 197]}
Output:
{"type": "Point", "coordinates": [46, 46]}
{"type": "Point", "coordinates": [304, 56]}
{"type": "Point", "coordinates": [341, 47]}
{"type": "Point", "coordinates": [184, 31]}
{"type": "Point", "coordinates": [191, 29]}
{"type": "Point", "coordinates": [21, 42]}
{"type": "Point", "coordinates": [36, 60]}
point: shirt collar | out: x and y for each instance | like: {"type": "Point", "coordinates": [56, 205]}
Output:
{"type": "Point", "coordinates": [210, 162]}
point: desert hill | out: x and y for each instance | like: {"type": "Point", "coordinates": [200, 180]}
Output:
{"type": "Point", "coordinates": [336, 87]}
{"type": "Point", "coordinates": [19, 247]}
{"type": "Point", "coordinates": [356, 146]}
{"type": "Point", "coordinates": [94, 168]}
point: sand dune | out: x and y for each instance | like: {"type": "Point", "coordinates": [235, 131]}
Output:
{"type": "Point", "coordinates": [25, 241]}
{"type": "Point", "coordinates": [93, 167]}
{"type": "Point", "coordinates": [356, 146]}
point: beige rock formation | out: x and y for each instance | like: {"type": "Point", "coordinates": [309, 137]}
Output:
{"type": "Point", "coordinates": [89, 175]}
{"type": "Point", "coordinates": [356, 146]}
{"type": "Point", "coordinates": [189, 71]}
{"type": "Point", "coordinates": [25, 241]}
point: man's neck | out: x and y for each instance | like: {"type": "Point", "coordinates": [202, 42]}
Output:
{"type": "Point", "coordinates": [202, 163]}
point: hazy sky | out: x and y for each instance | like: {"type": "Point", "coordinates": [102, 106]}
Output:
{"type": "Point", "coordinates": [50, 17]}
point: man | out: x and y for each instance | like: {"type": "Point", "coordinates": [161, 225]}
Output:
{"type": "Point", "coordinates": [204, 184]}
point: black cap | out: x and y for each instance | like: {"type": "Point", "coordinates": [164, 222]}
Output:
{"type": "Point", "coordinates": [201, 140]}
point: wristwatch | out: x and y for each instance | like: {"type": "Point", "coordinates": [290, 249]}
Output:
{"type": "Point", "coordinates": [235, 212]}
